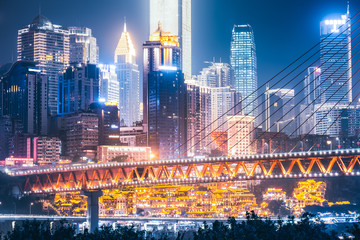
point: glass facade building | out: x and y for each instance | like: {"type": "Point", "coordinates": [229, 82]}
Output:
{"type": "Point", "coordinates": [335, 59]}
{"type": "Point", "coordinates": [83, 46]}
{"type": "Point", "coordinates": [175, 17]}
{"type": "Point", "coordinates": [243, 62]}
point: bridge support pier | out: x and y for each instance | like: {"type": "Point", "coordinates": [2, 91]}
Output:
{"type": "Point", "coordinates": [92, 208]}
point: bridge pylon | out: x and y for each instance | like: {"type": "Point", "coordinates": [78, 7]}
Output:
{"type": "Point", "coordinates": [92, 208]}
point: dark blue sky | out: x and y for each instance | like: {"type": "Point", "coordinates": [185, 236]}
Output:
{"type": "Point", "coordinates": [283, 29]}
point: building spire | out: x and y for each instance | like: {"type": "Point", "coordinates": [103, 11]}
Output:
{"type": "Point", "coordinates": [348, 8]}
{"type": "Point", "coordinates": [125, 24]}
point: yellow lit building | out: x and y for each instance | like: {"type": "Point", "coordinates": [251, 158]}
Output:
{"type": "Point", "coordinates": [240, 135]}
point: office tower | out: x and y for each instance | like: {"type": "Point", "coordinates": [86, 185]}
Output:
{"type": "Point", "coordinates": [207, 111]}
{"type": "Point", "coordinates": [24, 97]}
{"type": "Point", "coordinates": [109, 122]}
{"type": "Point", "coordinates": [79, 86]}
{"type": "Point", "coordinates": [243, 62]}
{"type": "Point", "coordinates": [129, 82]}
{"type": "Point", "coordinates": [312, 91]}
{"type": "Point", "coordinates": [240, 135]}
{"type": "Point", "coordinates": [175, 17]}
{"type": "Point", "coordinates": [48, 45]}
{"type": "Point", "coordinates": [82, 137]}
{"type": "Point", "coordinates": [216, 75]}
{"type": "Point", "coordinates": [43, 150]}
{"type": "Point", "coordinates": [280, 113]}
{"type": "Point", "coordinates": [337, 121]}
{"type": "Point", "coordinates": [161, 52]}
{"type": "Point", "coordinates": [335, 58]}
{"type": "Point", "coordinates": [167, 114]}
{"type": "Point", "coordinates": [109, 84]}
{"type": "Point", "coordinates": [83, 46]}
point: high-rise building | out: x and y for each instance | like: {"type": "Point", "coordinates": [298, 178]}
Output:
{"type": "Point", "coordinates": [207, 111]}
{"type": "Point", "coordinates": [129, 81]}
{"type": "Point", "coordinates": [161, 52]}
{"type": "Point", "coordinates": [44, 150]}
{"type": "Point", "coordinates": [109, 122]}
{"type": "Point", "coordinates": [82, 136]}
{"type": "Point", "coordinates": [243, 62]}
{"type": "Point", "coordinates": [24, 96]}
{"type": "Point", "coordinates": [167, 114]}
{"type": "Point", "coordinates": [280, 112]}
{"type": "Point", "coordinates": [83, 46]}
{"type": "Point", "coordinates": [335, 58]}
{"type": "Point", "coordinates": [175, 17]}
{"type": "Point", "coordinates": [240, 135]}
{"type": "Point", "coordinates": [46, 44]}
{"type": "Point", "coordinates": [109, 84]}
{"type": "Point", "coordinates": [216, 75]}
{"type": "Point", "coordinates": [79, 86]}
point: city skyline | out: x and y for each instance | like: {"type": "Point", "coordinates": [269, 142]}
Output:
{"type": "Point", "coordinates": [107, 25]}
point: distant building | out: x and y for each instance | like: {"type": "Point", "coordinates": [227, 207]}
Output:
{"type": "Point", "coordinates": [13, 161]}
{"type": "Point", "coordinates": [133, 136]}
{"type": "Point", "coordinates": [129, 81]}
{"type": "Point", "coordinates": [24, 94]}
{"type": "Point", "coordinates": [82, 135]}
{"type": "Point", "coordinates": [279, 111]}
{"type": "Point", "coordinates": [79, 86]}
{"type": "Point", "coordinates": [83, 46]}
{"type": "Point", "coordinates": [109, 122]}
{"type": "Point", "coordinates": [46, 44]}
{"type": "Point", "coordinates": [109, 84]}
{"type": "Point", "coordinates": [240, 135]}
{"type": "Point", "coordinates": [175, 17]}
{"type": "Point", "coordinates": [216, 75]}
{"type": "Point", "coordinates": [44, 150]}
{"type": "Point", "coordinates": [129, 154]}
{"type": "Point", "coordinates": [243, 62]}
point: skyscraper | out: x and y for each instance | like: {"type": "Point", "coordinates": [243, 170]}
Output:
{"type": "Point", "coordinates": [109, 84]}
{"type": "Point", "coordinates": [24, 97]}
{"type": "Point", "coordinates": [48, 45]}
{"type": "Point", "coordinates": [164, 95]}
{"type": "Point", "coordinates": [161, 52]}
{"type": "Point", "coordinates": [129, 82]}
{"type": "Point", "coordinates": [78, 88]}
{"type": "Point", "coordinates": [335, 44]}
{"type": "Point", "coordinates": [175, 17]}
{"type": "Point", "coordinates": [83, 46]}
{"type": "Point", "coordinates": [243, 62]}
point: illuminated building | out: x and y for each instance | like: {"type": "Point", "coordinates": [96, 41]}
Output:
{"type": "Point", "coordinates": [129, 82]}
{"type": "Point", "coordinates": [48, 45]}
{"type": "Point", "coordinates": [335, 58]}
{"type": "Point", "coordinates": [312, 93]}
{"type": "Point", "coordinates": [220, 139]}
{"type": "Point", "coordinates": [280, 112]}
{"type": "Point", "coordinates": [81, 135]}
{"type": "Point", "coordinates": [307, 193]}
{"type": "Point", "coordinates": [175, 16]}
{"type": "Point", "coordinates": [240, 135]}
{"type": "Point", "coordinates": [83, 46]}
{"type": "Point", "coordinates": [78, 88]}
{"type": "Point", "coordinates": [109, 84]}
{"type": "Point", "coordinates": [274, 194]}
{"type": "Point", "coordinates": [208, 107]}
{"type": "Point", "coordinates": [11, 161]}
{"type": "Point", "coordinates": [164, 95]}
{"type": "Point", "coordinates": [216, 75]}
{"type": "Point", "coordinates": [133, 136]}
{"type": "Point", "coordinates": [243, 62]}
{"type": "Point", "coordinates": [109, 122]}
{"type": "Point", "coordinates": [107, 153]}
{"type": "Point", "coordinates": [44, 150]}
{"type": "Point", "coordinates": [337, 120]}
{"type": "Point", "coordinates": [24, 95]}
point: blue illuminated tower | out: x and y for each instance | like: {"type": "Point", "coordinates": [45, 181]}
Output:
{"type": "Point", "coordinates": [243, 62]}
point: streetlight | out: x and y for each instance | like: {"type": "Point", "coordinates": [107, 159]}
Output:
{"type": "Point", "coordinates": [329, 142]}
{"type": "Point", "coordinates": [30, 206]}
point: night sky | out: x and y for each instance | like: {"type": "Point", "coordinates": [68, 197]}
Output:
{"type": "Point", "coordinates": [283, 29]}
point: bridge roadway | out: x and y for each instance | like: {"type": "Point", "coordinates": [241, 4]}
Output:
{"type": "Point", "coordinates": [89, 177]}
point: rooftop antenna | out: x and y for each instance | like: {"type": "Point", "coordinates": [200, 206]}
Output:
{"type": "Point", "coordinates": [348, 8]}
{"type": "Point", "coordinates": [124, 24]}
{"type": "Point", "coordinates": [39, 8]}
